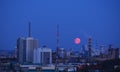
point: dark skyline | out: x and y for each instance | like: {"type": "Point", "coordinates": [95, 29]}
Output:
{"type": "Point", "coordinates": [99, 19]}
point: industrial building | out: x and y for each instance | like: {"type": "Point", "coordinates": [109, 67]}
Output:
{"type": "Point", "coordinates": [43, 56]}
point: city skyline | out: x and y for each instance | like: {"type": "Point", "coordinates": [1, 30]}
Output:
{"type": "Point", "coordinates": [98, 19]}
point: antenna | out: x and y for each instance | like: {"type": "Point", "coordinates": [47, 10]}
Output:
{"type": "Point", "coordinates": [29, 29]}
{"type": "Point", "coordinates": [57, 38]}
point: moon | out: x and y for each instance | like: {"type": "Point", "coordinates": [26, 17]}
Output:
{"type": "Point", "coordinates": [77, 40]}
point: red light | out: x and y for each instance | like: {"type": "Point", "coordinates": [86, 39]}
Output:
{"type": "Point", "coordinates": [77, 40]}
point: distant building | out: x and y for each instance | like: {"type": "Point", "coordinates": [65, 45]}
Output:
{"type": "Point", "coordinates": [113, 53]}
{"type": "Point", "coordinates": [31, 44]}
{"type": "Point", "coordinates": [89, 57]}
{"type": "Point", "coordinates": [90, 47]}
{"type": "Point", "coordinates": [43, 56]}
{"type": "Point", "coordinates": [25, 47]}
{"type": "Point", "coordinates": [103, 51]}
{"type": "Point", "coordinates": [61, 53]}
{"type": "Point", "coordinates": [84, 51]}
{"type": "Point", "coordinates": [119, 53]}
{"type": "Point", "coordinates": [75, 58]}
{"type": "Point", "coordinates": [21, 50]}
{"type": "Point", "coordinates": [68, 54]}
{"type": "Point", "coordinates": [54, 56]}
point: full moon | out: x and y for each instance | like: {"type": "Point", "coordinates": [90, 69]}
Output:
{"type": "Point", "coordinates": [77, 40]}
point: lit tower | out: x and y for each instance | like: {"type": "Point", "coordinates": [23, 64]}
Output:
{"type": "Point", "coordinates": [89, 47]}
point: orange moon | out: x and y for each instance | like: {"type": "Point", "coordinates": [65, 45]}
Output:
{"type": "Point", "coordinates": [77, 40]}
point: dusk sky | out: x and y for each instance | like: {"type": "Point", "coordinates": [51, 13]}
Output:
{"type": "Point", "coordinates": [99, 19]}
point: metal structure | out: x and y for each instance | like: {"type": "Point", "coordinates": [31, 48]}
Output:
{"type": "Point", "coordinates": [29, 29]}
{"type": "Point", "coordinates": [57, 39]}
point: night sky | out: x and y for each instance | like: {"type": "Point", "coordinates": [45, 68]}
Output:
{"type": "Point", "coordinates": [99, 19]}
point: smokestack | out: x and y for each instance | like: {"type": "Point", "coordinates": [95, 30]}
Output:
{"type": "Point", "coordinates": [29, 29]}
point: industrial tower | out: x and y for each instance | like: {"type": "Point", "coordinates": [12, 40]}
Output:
{"type": "Point", "coordinates": [57, 40]}
{"type": "Point", "coordinates": [89, 48]}
{"type": "Point", "coordinates": [29, 29]}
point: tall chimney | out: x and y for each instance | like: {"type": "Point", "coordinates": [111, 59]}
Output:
{"type": "Point", "coordinates": [29, 29]}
